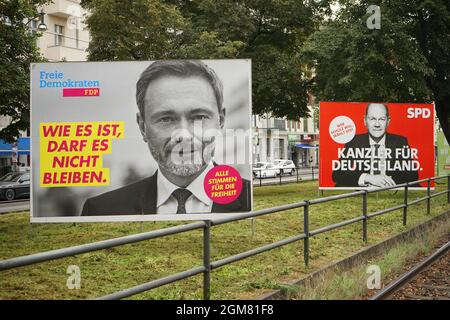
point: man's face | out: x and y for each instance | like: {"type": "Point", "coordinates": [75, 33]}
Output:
{"type": "Point", "coordinates": [178, 126]}
{"type": "Point", "coordinates": [376, 120]}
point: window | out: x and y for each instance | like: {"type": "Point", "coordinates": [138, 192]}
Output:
{"type": "Point", "coordinates": [280, 124]}
{"type": "Point", "coordinates": [280, 149]}
{"type": "Point", "coordinates": [59, 35]}
{"type": "Point", "coordinates": [33, 26]}
{"type": "Point", "coordinates": [77, 38]}
{"type": "Point", "coordinates": [305, 124]}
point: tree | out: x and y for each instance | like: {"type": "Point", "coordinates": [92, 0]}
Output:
{"type": "Point", "coordinates": [270, 32]}
{"type": "Point", "coordinates": [133, 30]}
{"type": "Point", "coordinates": [406, 60]}
{"type": "Point", "coordinates": [17, 50]}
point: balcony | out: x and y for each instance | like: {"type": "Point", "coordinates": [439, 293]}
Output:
{"type": "Point", "coordinates": [279, 124]}
{"type": "Point", "coordinates": [57, 53]}
{"type": "Point", "coordinates": [63, 8]}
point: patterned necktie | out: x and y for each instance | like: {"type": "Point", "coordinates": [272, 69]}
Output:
{"type": "Point", "coordinates": [181, 195]}
{"type": "Point", "coordinates": [377, 159]}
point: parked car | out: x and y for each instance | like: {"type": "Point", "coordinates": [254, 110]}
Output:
{"type": "Point", "coordinates": [15, 185]}
{"type": "Point", "coordinates": [264, 170]}
{"type": "Point", "coordinates": [285, 166]}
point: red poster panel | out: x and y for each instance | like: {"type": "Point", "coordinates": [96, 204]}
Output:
{"type": "Point", "coordinates": [371, 145]}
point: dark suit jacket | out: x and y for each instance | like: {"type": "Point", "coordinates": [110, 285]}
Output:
{"type": "Point", "coordinates": [350, 178]}
{"type": "Point", "coordinates": [140, 198]}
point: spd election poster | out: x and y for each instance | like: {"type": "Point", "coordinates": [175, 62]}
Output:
{"type": "Point", "coordinates": [373, 145]}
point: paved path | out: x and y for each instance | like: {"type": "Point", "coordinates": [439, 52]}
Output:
{"type": "Point", "coordinates": [16, 205]}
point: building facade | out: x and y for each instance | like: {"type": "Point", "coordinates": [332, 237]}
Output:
{"type": "Point", "coordinates": [66, 38]}
{"type": "Point", "coordinates": [275, 138]}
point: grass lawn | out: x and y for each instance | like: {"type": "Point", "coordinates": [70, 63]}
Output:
{"type": "Point", "coordinates": [106, 271]}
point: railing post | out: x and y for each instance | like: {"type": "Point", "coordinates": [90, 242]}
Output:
{"type": "Point", "coordinates": [306, 232]}
{"type": "Point", "coordinates": [405, 202]}
{"type": "Point", "coordinates": [207, 260]}
{"type": "Point", "coordinates": [297, 173]}
{"type": "Point", "coordinates": [260, 177]}
{"type": "Point", "coordinates": [365, 216]}
{"type": "Point", "coordinates": [253, 227]}
{"type": "Point", "coordinates": [448, 188]}
{"type": "Point", "coordinates": [281, 172]}
{"type": "Point", "coordinates": [428, 196]}
{"type": "Point", "coordinates": [312, 172]}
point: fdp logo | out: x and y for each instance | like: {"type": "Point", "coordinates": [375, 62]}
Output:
{"type": "Point", "coordinates": [81, 92]}
{"type": "Point", "coordinates": [71, 88]}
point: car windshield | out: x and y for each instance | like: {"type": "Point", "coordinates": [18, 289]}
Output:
{"type": "Point", "coordinates": [278, 162]}
{"type": "Point", "coordinates": [11, 177]}
{"type": "Point", "coordinates": [259, 165]}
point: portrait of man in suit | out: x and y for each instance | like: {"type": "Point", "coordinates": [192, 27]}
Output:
{"type": "Point", "coordinates": [376, 158]}
{"type": "Point", "coordinates": [180, 111]}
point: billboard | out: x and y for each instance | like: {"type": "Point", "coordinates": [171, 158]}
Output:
{"type": "Point", "coordinates": [443, 150]}
{"type": "Point", "coordinates": [372, 145]}
{"type": "Point", "coordinates": [134, 141]}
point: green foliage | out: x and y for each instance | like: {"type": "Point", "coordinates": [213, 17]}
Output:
{"type": "Point", "coordinates": [132, 30]}
{"type": "Point", "coordinates": [270, 32]}
{"type": "Point", "coordinates": [407, 60]}
{"type": "Point", "coordinates": [17, 50]}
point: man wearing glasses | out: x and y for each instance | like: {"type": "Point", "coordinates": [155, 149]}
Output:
{"type": "Point", "coordinates": [375, 158]}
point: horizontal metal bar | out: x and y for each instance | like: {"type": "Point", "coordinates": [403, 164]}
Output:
{"type": "Point", "coordinates": [431, 178]}
{"type": "Point", "coordinates": [336, 197]}
{"type": "Point", "coordinates": [335, 226]}
{"type": "Point", "coordinates": [417, 201]}
{"type": "Point", "coordinates": [240, 256]}
{"type": "Point", "coordinates": [439, 193]}
{"type": "Point", "coordinates": [153, 284]}
{"type": "Point", "coordinates": [440, 177]}
{"type": "Point", "coordinates": [400, 206]}
{"type": "Point", "coordinates": [397, 186]}
{"type": "Point", "coordinates": [422, 180]}
{"type": "Point", "coordinates": [71, 251]}
{"type": "Point", "coordinates": [241, 216]}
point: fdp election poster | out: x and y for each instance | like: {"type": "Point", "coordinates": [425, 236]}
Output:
{"type": "Point", "coordinates": [443, 150]}
{"type": "Point", "coordinates": [373, 145]}
{"type": "Point", "coordinates": [147, 140]}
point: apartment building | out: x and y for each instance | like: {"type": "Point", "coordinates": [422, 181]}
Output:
{"type": "Point", "coordinates": [275, 138]}
{"type": "Point", "coordinates": [65, 38]}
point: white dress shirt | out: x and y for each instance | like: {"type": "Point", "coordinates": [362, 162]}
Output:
{"type": "Point", "coordinates": [198, 202]}
{"type": "Point", "coordinates": [381, 159]}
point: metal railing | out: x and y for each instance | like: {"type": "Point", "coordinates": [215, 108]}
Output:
{"type": "Point", "coordinates": [296, 174]}
{"type": "Point", "coordinates": [208, 265]}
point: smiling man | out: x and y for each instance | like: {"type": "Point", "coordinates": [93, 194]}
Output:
{"type": "Point", "coordinates": [180, 115]}
{"type": "Point", "coordinates": [374, 159]}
